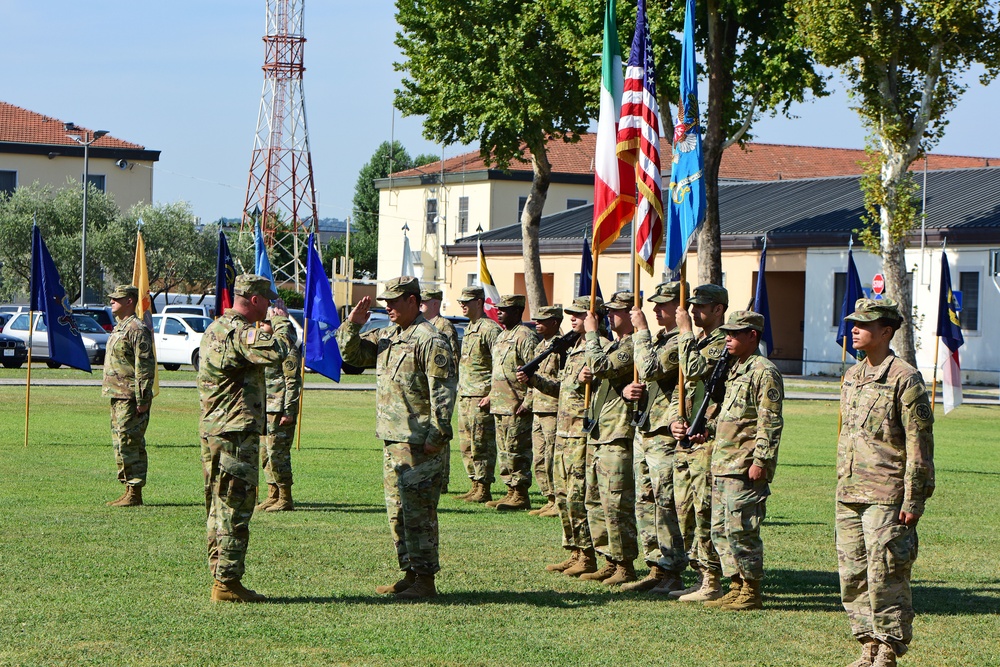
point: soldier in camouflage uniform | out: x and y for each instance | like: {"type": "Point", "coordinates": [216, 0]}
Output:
{"type": "Point", "coordinates": [885, 474]}
{"type": "Point", "coordinates": [234, 353]}
{"type": "Point", "coordinates": [570, 460]}
{"type": "Point", "coordinates": [476, 426]}
{"type": "Point", "coordinates": [129, 370]}
{"type": "Point", "coordinates": [657, 361]}
{"type": "Point", "coordinates": [543, 400]}
{"type": "Point", "coordinates": [514, 347]}
{"type": "Point", "coordinates": [415, 398]}
{"type": "Point", "coordinates": [430, 307]}
{"type": "Point", "coordinates": [610, 496]}
{"type": "Point", "coordinates": [284, 387]}
{"type": "Point", "coordinates": [744, 457]}
{"type": "Point", "coordinates": [693, 461]}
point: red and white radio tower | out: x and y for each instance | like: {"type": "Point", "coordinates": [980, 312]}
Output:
{"type": "Point", "coordinates": [281, 193]}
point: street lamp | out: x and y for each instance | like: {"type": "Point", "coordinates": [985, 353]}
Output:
{"type": "Point", "coordinates": [88, 138]}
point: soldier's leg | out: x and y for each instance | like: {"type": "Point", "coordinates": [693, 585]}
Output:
{"type": "Point", "coordinates": [233, 499]}
{"type": "Point", "coordinates": [280, 455]}
{"type": "Point", "coordinates": [549, 434]}
{"type": "Point", "coordinates": [660, 458]}
{"type": "Point", "coordinates": [892, 550]}
{"type": "Point", "coordinates": [467, 407]}
{"type": "Point", "coordinates": [540, 461]}
{"type": "Point", "coordinates": [560, 486]}
{"type": "Point", "coordinates": [684, 502]}
{"type": "Point", "coordinates": [852, 565]}
{"type": "Point", "coordinates": [129, 428]}
{"type": "Point", "coordinates": [746, 506]}
{"type": "Point", "coordinates": [645, 502]}
{"type": "Point", "coordinates": [720, 525]}
{"type": "Point", "coordinates": [419, 488]}
{"type": "Point", "coordinates": [504, 427]}
{"type": "Point", "coordinates": [265, 444]}
{"type": "Point", "coordinates": [596, 516]}
{"type": "Point", "coordinates": [617, 489]}
{"type": "Point", "coordinates": [483, 443]}
{"type": "Point", "coordinates": [700, 465]}
{"type": "Point", "coordinates": [576, 462]}
{"type": "Point", "coordinates": [519, 452]}
{"type": "Point", "coordinates": [393, 504]}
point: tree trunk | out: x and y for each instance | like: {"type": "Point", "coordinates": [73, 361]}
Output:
{"type": "Point", "coordinates": [898, 283]}
{"type": "Point", "coordinates": [530, 221]}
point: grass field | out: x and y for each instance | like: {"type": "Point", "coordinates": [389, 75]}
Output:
{"type": "Point", "coordinates": [84, 584]}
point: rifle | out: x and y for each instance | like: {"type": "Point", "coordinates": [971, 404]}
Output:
{"type": "Point", "coordinates": [558, 345]}
{"type": "Point", "coordinates": [697, 426]}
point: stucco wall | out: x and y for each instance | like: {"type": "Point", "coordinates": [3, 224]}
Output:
{"type": "Point", "coordinates": [130, 186]}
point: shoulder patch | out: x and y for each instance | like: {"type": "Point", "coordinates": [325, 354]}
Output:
{"type": "Point", "coordinates": [145, 349]}
{"type": "Point", "coordinates": [912, 394]}
{"type": "Point", "coordinates": [441, 360]}
{"type": "Point", "coordinates": [773, 395]}
{"type": "Point", "coordinates": [673, 356]}
{"type": "Point", "coordinates": [623, 356]}
{"type": "Point", "coordinates": [923, 412]}
{"type": "Point", "coordinates": [716, 352]}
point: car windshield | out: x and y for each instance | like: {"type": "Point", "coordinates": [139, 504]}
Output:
{"type": "Point", "coordinates": [198, 324]}
{"type": "Point", "coordinates": [88, 324]}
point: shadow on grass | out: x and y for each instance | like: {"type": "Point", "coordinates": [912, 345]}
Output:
{"type": "Point", "coordinates": [357, 508]}
{"type": "Point", "coordinates": [552, 599]}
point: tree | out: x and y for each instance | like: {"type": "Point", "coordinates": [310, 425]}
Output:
{"type": "Point", "coordinates": [904, 61]}
{"type": "Point", "coordinates": [494, 72]}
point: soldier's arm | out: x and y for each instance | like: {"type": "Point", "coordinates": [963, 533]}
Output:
{"type": "Point", "coordinates": [442, 381]}
{"type": "Point", "coordinates": [291, 369]}
{"type": "Point", "coordinates": [770, 391]}
{"type": "Point", "coordinates": [355, 349]}
{"type": "Point", "coordinates": [654, 363]}
{"type": "Point", "coordinates": [145, 366]}
{"type": "Point", "coordinates": [918, 423]}
{"type": "Point", "coordinates": [604, 366]}
{"type": "Point", "coordinates": [456, 347]}
{"type": "Point", "coordinates": [262, 348]}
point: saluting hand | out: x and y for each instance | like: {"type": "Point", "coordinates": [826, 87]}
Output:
{"type": "Point", "coordinates": [277, 308]}
{"type": "Point", "coordinates": [359, 314]}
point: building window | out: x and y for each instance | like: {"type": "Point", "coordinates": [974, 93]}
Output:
{"type": "Point", "coordinates": [521, 203]}
{"type": "Point", "coordinates": [574, 203]}
{"type": "Point", "coordinates": [432, 216]}
{"type": "Point", "coordinates": [97, 180]}
{"type": "Point", "coordinates": [968, 282]}
{"type": "Point", "coordinates": [8, 181]}
{"type": "Point", "coordinates": [463, 215]}
{"type": "Point", "coordinates": [576, 284]}
{"type": "Point", "coordinates": [623, 281]}
{"type": "Point", "coordinates": [473, 280]}
{"type": "Point", "coordinates": [839, 290]}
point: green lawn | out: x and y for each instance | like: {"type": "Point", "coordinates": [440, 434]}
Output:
{"type": "Point", "coordinates": [84, 584]}
{"type": "Point", "coordinates": [39, 371]}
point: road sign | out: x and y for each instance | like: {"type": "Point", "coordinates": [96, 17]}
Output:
{"type": "Point", "coordinates": [878, 283]}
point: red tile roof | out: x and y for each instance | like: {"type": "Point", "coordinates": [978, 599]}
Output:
{"type": "Point", "coordinates": [21, 126]}
{"type": "Point", "coordinates": [755, 162]}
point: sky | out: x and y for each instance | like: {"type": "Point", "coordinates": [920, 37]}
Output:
{"type": "Point", "coordinates": [184, 78]}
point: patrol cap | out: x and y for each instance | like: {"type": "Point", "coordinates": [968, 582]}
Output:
{"type": "Point", "coordinates": [554, 312]}
{"type": "Point", "coordinates": [471, 294]}
{"type": "Point", "coordinates": [709, 293]}
{"type": "Point", "coordinates": [869, 310]}
{"type": "Point", "coordinates": [667, 292]}
{"type": "Point", "coordinates": [741, 320]}
{"type": "Point", "coordinates": [581, 304]}
{"type": "Point", "coordinates": [249, 284]}
{"type": "Point", "coordinates": [125, 292]}
{"type": "Point", "coordinates": [430, 293]}
{"type": "Point", "coordinates": [511, 301]}
{"type": "Point", "coordinates": [621, 301]}
{"type": "Point", "coordinates": [398, 287]}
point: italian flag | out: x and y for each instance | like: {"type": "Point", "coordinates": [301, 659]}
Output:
{"type": "Point", "coordinates": [614, 180]}
{"type": "Point", "coordinates": [489, 287]}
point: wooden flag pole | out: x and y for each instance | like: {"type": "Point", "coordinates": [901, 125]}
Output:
{"type": "Point", "coordinates": [937, 347]}
{"type": "Point", "coordinates": [680, 367]}
{"type": "Point", "coordinates": [302, 389]}
{"type": "Point", "coordinates": [593, 299]}
{"type": "Point", "coordinates": [843, 364]}
{"type": "Point", "coordinates": [27, 394]}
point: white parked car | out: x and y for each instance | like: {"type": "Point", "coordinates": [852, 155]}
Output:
{"type": "Point", "coordinates": [187, 309]}
{"type": "Point", "coordinates": [177, 339]}
{"type": "Point", "coordinates": [95, 338]}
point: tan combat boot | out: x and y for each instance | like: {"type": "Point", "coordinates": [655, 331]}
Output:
{"type": "Point", "coordinates": [422, 587]}
{"type": "Point", "coordinates": [886, 657]}
{"type": "Point", "coordinates": [671, 583]}
{"type": "Point", "coordinates": [284, 502]}
{"type": "Point", "coordinates": [272, 497]}
{"type": "Point", "coordinates": [408, 578]}
{"type": "Point", "coordinates": [690, 589]}
{"type": "Point", "coordinates": [465, 496]}
{"type": "Point", "coordinates": [710, 589]}
{"type": "Point", "coordinates": [481, 494]}
{"type": "Point", "coordinates": [586, 562]}
{"type": "Point", "coordinates": [114, 503]}
{"type": "Point", "coordinates": [234, 591]}
{"type": "Point", "coordinates": [494, 503]}
{"type": "Point", "coordinates": [544, 508]}
{"type": "Point", "coordinates": [650, 581]}
{"type": "Point", "coordinates": [735, 588]}
{"type": "Point", "coordinates": [518, 500]}
{"type": "Point", "coordinates": [624, 574]}
{"type": "Point", "coordinates": [132, 498]}
{"type": "Point", "coordinates": [749, 597]}
{"type": "Point", "coordinates": [566, 564]}
{"type": "Point", "coordinates": [552, 511]}
{"type": "Point", "coordinates": [605, 572]}
{"type": "Point", "coordinates": [869, 650]}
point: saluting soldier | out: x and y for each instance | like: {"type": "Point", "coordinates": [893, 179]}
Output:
{"type": "Point", "coordinates": [129, 371]}
{"type": "Point", "coordinates": [284, 388]}
{"type": "Point", "coordinates": [514, 347]}
{"type": "Point", "coordinates": [415, 398]}
{"type": "Point", "coordinates": [885, 474]}
{"type": "Point", "coordinates": [430, 308]}
{"type": "Point", "coordinates": [234, 352]}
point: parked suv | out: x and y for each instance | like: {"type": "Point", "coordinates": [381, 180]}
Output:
{"type": "Point", "coordinates": [102, 314]}
{"type": "Point", "coordinates": [187, 309]}
{"type": "Point", "coordinates": [95, 339]}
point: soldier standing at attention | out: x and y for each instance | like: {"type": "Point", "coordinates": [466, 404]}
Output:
{"type": "Point", "coordinates": [234, 353]}
{"type": "Point", "coordinates": [284, 387]}
{"type": "Point", "coordinates": [744, 456]}
{"type": "Point", "coordinates": [129, 369]}
{"type": "Point", "coordinates": [570, 464]}
{"type": "Point", "coordinates": [415, 398]}
{"type": "Point", "coordinates": [885, 474]}
{"type": "Point", "coordinates": [476, 427]}
{"type": "Point", "coordinates": [693, 462]}
{"type": "Point", "coordinates": [610, 497]}
{"type": "Point", "coordinates": [543, 399]}
{"type": "Point", "coordinates": [514, 347]}
{"type": "Point", "coordinates": [657, 361]}
{"type": "Point", "coordinates": [430, 308]}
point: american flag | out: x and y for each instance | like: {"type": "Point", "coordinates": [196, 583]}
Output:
{"type": "Point", "coordinates": [639, 142]}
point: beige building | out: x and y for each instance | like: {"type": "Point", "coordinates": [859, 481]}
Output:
{"type": "Point", "coordinates": [37, 148]}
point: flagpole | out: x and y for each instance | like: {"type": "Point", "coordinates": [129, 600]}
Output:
{"type": "Point", "coordinates": [302, 390]}
{"type": "Point", "coordinates": [680, 367]}
{"type": "Point", "coordinates": [27, 395]}
{"type": "Point", "coordinates": [843, 364]}
{"type": "Point", "coordinates": [593, 298]}
{"type": "Point", "coordinates": [937, 347]}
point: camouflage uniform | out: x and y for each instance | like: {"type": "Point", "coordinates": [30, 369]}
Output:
{"type": "Point", "coordinates": [129, 369]}
{"type": "Point", "coordinates": [476, 429]}
{"type": "Point", "coordinates": [446, 328]}
{"type": "Point", "coordinates": [284, 387]}
{"type": "Point", "coordinates": [233, 394]}
{"type": "Point", "coordinates": [513, 348]}
{"type": "Point", "coordinates": [415, 398]}
{"type": "Point", "coordinates": [885, 464]}
{"type": "Point", "coordinates": [610, 494]}
{"type": "Point", "coordinates": [748, 432]}
{"type": "Point", "coordinates": [543, 399]}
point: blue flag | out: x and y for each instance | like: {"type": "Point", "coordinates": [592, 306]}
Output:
{"type": "Point", "coordinates": [949, 326]}
{"type": "Point", "coordinates": [852, 293]}
{"type": "Point", "coordinates": [225, 277]}
{"type": "Point", "coordinates": [760, 304]}
{"type": "Point", "coordinates": [686, 198]}
{"type": "Point", "coordinates": [49, 297]}
{"type": "Point", "coordinates": [322, 321]}
{"type": "Point", "coordinates": [262, 267]}
{"type": "Point", "coordinates": [587, 272]}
